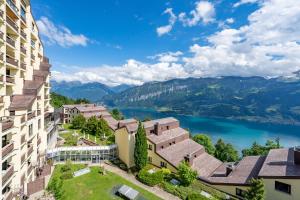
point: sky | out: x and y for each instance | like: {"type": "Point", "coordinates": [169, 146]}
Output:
{"type": "Point", "coordinates": [132, 42]}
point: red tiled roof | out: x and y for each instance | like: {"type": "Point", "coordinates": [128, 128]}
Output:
{"type": "Point", "coordinates": [167, 135]}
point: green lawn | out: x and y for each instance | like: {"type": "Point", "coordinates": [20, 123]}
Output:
{"type": "Point", "coordinates": [94, 186]}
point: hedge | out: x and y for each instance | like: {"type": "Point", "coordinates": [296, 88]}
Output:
{"type": "Point", "coordinates": [150, 179]}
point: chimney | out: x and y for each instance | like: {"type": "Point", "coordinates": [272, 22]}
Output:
{"type": "Point", "coordinates": [189, 159]}
{"type": "Point", "coordinates": [297, 155]}
{"type": "Point", "coordinates": [157, 129]}
{"type": "Point", "coordinates": [229, 169]}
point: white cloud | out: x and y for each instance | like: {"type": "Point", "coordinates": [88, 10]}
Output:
{"type": "Point", "coordinates": [204, 12]}
{"type": "Point", "coordinates": [230, 20]}
{"type": "Point", "coordinates": [59, 35]}
{"type": "Point", "coordinates": [241, 2]}
{"type": "Point", "coordinates": [132, 72]}
{"type": "Point", "coordinates": [162, 30]}
{"type": "Point", "coordinates": [167, 57]}
{"type": "Point", "coordinates": [269, 46]}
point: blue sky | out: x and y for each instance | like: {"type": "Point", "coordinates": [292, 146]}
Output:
{"type": "Point", "coordinates": [133, 42]}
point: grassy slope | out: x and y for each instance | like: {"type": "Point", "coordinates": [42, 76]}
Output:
{"type": "Point", "coordinates": [94, 186]}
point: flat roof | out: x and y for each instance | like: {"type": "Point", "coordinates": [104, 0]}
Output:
{"type": "Point", "coordinates": [280, 163]}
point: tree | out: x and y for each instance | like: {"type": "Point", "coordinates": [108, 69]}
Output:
{"type": "Point", "coordinates": [78, 122]}
{"type": "Point", "coordinates": [205, 141]}
{"type": "Point", "coordinates": [140, 149]}
{"type": "Point", "coordinates": [186, 174]}
{"type": "Point", "coordinates": [225, 152]}
{"type": "Point", "coordinates": [103, 128]}
{"type": "Point", "coordinates": [257, 149]}
{"type": "Point", "coordinates": [116, 114]}
{"type": "Point", "coordinates": [91, 126]}
{"type": "Point", "coordinates": [256, 190]}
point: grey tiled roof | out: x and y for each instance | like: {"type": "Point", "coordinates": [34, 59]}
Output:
{"type": "Point", "coordinates": [280, 163]}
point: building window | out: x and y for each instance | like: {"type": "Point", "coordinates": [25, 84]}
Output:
{"type": "Point", "coordinates": [163, 164]}
{"type": "Point", "coordinates": [150, 159]}
{"type": "Point", "coordinates": [239, 192]}
{"type": "Point", "coordinates": [167, 127]}
{"type": "Point", "coordinates": [152, 131]}
{"type": "Point", "coordinates": [30, 130]}
{"type": "Point", "coordinates": [282, 187]}
{"type": "Point", "coordinates": [39, 124]}
{"type": "Point", "coordinates": [150, 147]}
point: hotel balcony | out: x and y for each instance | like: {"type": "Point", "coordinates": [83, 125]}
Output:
{"type": "Point", "coordinates": [7, 149]}
{"type": "Point", "coordinates": [1, 35]}
{"type": "Point", "coordinates": [39, 112]}
{"type": "Point", "coordinates": [12, 24]}
{"type": "Point", "coordinates": [46, 98]}
{"type": "Point", "coordinates": [23, 65]}
{"type": "Point", "coordinates": [1, 14]}
{"type": "Point", "coordinates": [38, 97]}
{"type": "Point", "coordinates": [39, 141]}
{"type": "Point", "coordinates": [32, 57]}
{"type": "Point", "coordinates": [10, 79]}
{"type": "Point", "coordinates": [12, 61]}
{"type": "Point", "coordinates": [23, 158]}
{"type": "Point", "coordinates": [23, 49]}
{"type": "Point", "coordinates": [23, 34]}
{"type": "Point", "coordinates": [23, 139]}
{"type": "Point", "coordinates": [23, 119]}
{"type": "Point", "coordinates": [30, 150]}
{"type": "Point", "coordinates": [7, 124]}
{"type": "Point", "coordinates": [32, 44]}
{"type": "Point", "coordinates": [11, 41]}
{"type": "Point", "coordinates": [12, 6]}
{"type": "Point", "coordinates": [1, 99]}
{"type": "Point", "coordinates": [7, 174]}
{"type": "Point", "coordinates": [8, 195]}
{"type": "Point", "coordinates": [30, 115]}
{"type": "Point", "coordinates": [29, 169]}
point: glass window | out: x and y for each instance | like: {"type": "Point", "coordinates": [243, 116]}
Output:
{"type": "Point", "coordinates": [282, 187]}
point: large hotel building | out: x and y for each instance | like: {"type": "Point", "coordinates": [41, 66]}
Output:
{"type": "Point", "coordinates": [26, 120]}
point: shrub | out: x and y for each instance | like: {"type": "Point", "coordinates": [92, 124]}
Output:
{"type": "Point", "coordinates": [186, 174]}
{"type": "Point", "coordinates": [196, 196]}
{"type": "Point", "coordinates": [66, 175]}
{"type": "Point", "coordinates": [166, 171]}
{"type": "Point", "coordinates": [150, 179]}
{"type": "Point", "coordinates": [179, 191]}
{"type": "Point", "coordinates": [101, 170]}
{"type": "Point", "coordinates": [66, 167]}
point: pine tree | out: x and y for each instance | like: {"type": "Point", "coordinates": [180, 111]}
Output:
{"type": "Point", "coordinates": [256, 190]}
{"type": "Point", "coordinates": [140, 149]}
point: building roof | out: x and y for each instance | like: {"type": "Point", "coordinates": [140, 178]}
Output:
{"type": "Point", "coordinates": [280, 163]}
{"type": "Point", "coordinates": [175, 153]}
{"type": "Point", "coordinates": [130, 124]}
{"type": "Point", "coordinates": [206, 164]}
{"type": "Point", "coordinates": [167, 135]}
{"type": "Point", "coordinates": [241, 173]}
{"type": "Point", "coordinates": [87, 108]}
{"type": "Point", "coordinates": [162, 121]}
{"type": "Point", "coordinates": [19, 102]}
{"type": "Point", "coordinates": [74, 105]}
{"type": "Point", "coordinates": [112, 122]}
{"type": "Point", "coordinates": [40, 73]}
{"type": "Point", "coordinates": [36, 84]}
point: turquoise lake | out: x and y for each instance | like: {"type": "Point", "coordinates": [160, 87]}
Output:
{"type": "Point", "coordinates": [239, 133]}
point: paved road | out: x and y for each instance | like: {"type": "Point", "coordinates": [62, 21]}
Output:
{"type": "Point", "coordinates": [155, 190]}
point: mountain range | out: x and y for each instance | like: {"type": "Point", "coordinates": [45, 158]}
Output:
{"type": "Point", "coordinates": [258, 99]}
{"type": "Point", "coordinates": [92, 91]}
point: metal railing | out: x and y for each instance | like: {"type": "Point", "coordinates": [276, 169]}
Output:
{"type": "Point", "coordinates": [23, 34]}
{"type": "Point", "coordinates": [30, 150]}
{"type": "Point", "coordinates": [23, 49]}
{"type": "Point", "coordinates": [30, 115]}
{"type": "Point", "coordinates": [23, 66]}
